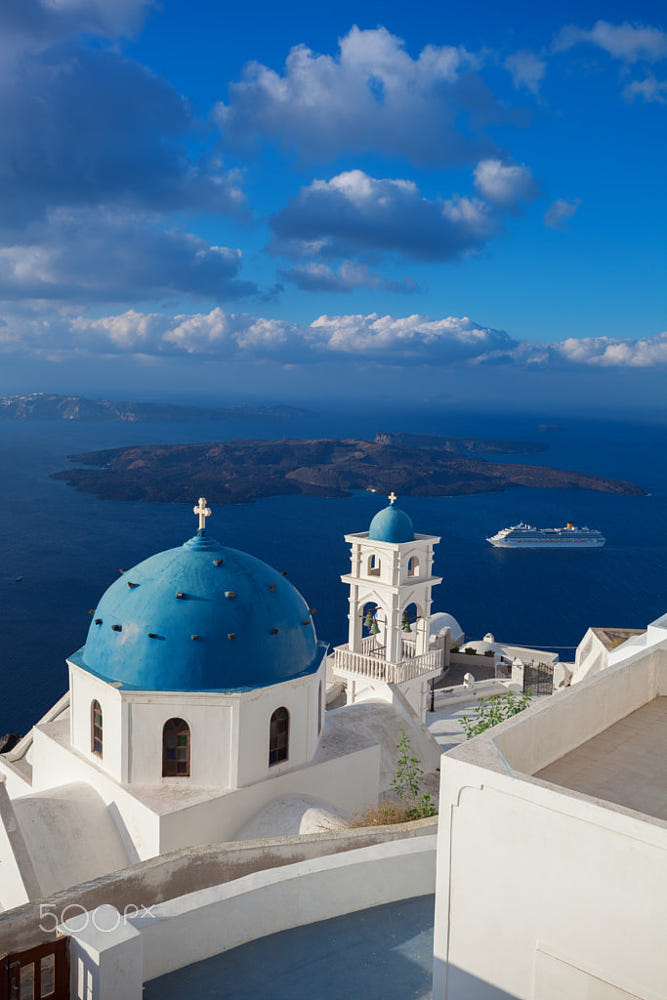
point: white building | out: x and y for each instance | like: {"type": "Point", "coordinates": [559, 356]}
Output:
{"type": "Point", "coordinates": [195, 706]}
{"type": "Point", "coordinates": [593, 651]}
{"type": "Point", "coordinates": [552, 843]}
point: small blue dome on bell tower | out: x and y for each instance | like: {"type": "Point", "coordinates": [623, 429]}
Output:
{"type": "Point", "coordinates": [391, 525]}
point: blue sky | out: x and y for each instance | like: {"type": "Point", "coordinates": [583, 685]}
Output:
{"type": "Point", "coordinates": [457, 203]}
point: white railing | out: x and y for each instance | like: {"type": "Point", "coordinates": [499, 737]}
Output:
{"type": "Point", "coordinates": [371, 647]}
{"type": "Point", "coordinates": [372, 666]}
{"type": "Point", "coordinates": [409, 647]}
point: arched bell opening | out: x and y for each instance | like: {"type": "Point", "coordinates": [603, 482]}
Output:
{"type": "Point", "coordinates": [413, 566]}
{"type": "Point", "coordinates": [373, 621]}
{"type": "Point", "coordinates": [414, 630]}
{"type": "Point", "coordinates": [374, 565]}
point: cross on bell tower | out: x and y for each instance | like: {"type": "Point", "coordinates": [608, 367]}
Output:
{"type": "Point", "coordinates": [203, 512]}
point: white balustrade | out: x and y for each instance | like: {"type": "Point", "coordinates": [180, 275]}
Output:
{"type": "Point", "coordinates": [369, 664]}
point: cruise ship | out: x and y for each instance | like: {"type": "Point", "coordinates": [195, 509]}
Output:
{"type": "Point", "coordinates": [524, 536]}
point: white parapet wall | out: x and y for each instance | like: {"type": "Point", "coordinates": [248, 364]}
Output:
{"type": "Point", "coordinates": [202, 924]}
{"type": "Point", "coordinates": [546, 892]}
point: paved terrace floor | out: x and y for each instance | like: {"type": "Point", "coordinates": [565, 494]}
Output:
{"type": "Point", "coordinates": [626, 764]}
{"type": "Point", "coordinates": [384, 953]}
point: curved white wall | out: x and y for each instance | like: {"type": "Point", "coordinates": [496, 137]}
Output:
{"type": "Point", "coordinates": [229, 733]}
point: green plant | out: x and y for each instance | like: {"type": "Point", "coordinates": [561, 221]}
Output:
{"type": "Point", "coordinates": [489, 652]}
{"type": "Point", "coordinates": [455, 648]}
{"type": "Point", "coordinates": [494, 709]}
{"type": "Point", "coordinates": [407, 781]}
{"type": "Point", "coordinates": [470, 650]}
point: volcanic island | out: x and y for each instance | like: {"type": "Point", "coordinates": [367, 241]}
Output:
{"type": "Point", "coordinates": [233, 472]}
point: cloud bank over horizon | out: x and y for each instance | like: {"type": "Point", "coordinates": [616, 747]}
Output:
{"type": "Point", "coordinates": [404, 341]}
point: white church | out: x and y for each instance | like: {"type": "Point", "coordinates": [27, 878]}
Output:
{"type": "Point", "coordinates": [191, 768]}
{"type": "Point", "coordinates": [196, 710]}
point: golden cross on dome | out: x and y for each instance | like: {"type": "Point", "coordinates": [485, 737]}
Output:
{"type": "Point", "coordinates": [203, 512]}
{"type": "Point", "coordinates": [392, 498]}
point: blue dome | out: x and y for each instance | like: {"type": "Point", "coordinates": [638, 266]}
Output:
{"type": "Point", "coordinates": [391, 525]}
{"type": "Point", "coordinates": [201, 618]}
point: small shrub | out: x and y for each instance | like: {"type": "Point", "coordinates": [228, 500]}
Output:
{"type": "Point", "coordinates": [489, 652]}
{"type": "Point", "coordinates": [407, 782]}
{"type": "Point", "coordinates": [470, 650]}
{"type": "Point", "coordinates": [412, 804]}
{"type": "Point", "coordinates": [454, 649]}
{"type": "Point", "coordinates": [494, 709]}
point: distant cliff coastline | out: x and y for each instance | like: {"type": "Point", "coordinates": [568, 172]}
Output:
{"type": "Point", "coordinates": [45, 406]}
{"type": "Point", "coordinates": [241, 471]}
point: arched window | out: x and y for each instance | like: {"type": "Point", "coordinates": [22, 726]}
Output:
{"type": "Point", "coordinates": [413, 566]}
{"type": "Point", "coordinates": [176, 749]}
{"type": "Point", "coordinates": [279, 736]}
{"type": "Point", "coordinates": [319, 709]}
{"type": "Point", "coordinates": [96, 734]}
{"type": "Point", "coordinates": [373, 565]}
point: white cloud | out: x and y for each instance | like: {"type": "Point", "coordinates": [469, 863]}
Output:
{"type": "Point", "coordinates": [649, 89]}
{"type": "Point", "coordinates": [355, 213]}
{"type": "Point", "coordinates": [613, 352]}
{"type": "Point", "coordinates": [596, 352]}
{"type": "Point", "coordinates": [371, 96]}
{"type": "Point", "coordinates": [91, 128]}
{"type": "Point", "coordinates": [212, 334]}
{"type": "Point", "coordinates": [559, 211]}
{"type": "Point", "coordinates": [32, 26]}
{"type": "Point", "coordinates": [505, 184]}
{"type": "Point", "coordinates": [96, 150]}
{"type": "Point", "coordinates": [407, 339]}
{"type": "Point", "coordinates": [627, 42]}
{"type": "Point", "coordinates": [85, 256]}
{"type": "Point", "coordinates": [527, 70]}
{"type": "Point", "coordinates": [370, 339]}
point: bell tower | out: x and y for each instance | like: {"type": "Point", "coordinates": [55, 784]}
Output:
{"type": "Point", "coordinates": [390, 583]}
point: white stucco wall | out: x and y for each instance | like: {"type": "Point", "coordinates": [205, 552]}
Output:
{"type": "Point", "coordinates": [18, 880]}
{"type": "Point", "coordinates": [251, 742]}
{"type": "Point", "coordinates": [229, 733]}
{"type": "Point", "coordinates": [149, 815]}
{"type": "Point", "coordinates": [106, 958]}
{"type": "Point", "coordinates": [637, 647]}
{"type": "Point", "coordinates": [539, 885]}
{"type": "Point", "coordinates": [524, 869]}
{"type": "Point", "coordinates": [348, 784]}
{"type": "Point", "coordinates": [590, 657]}
{"type": "Point", "coordinates": [56, 763]}
{"type": "Point", "coordinates": [210, 718]}
{"type": "Point", "coordinates": [84, 688]}
{"type": "Point", "coordinates": [547, 730]}
{"type": "Point", "coordinates": [71, 836]}
{"type": "Point", "coordinates": [205, 923]}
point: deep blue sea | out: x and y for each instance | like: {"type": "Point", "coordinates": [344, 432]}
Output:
{"type": "Point", "coordinates": [68, 546]}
